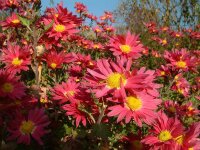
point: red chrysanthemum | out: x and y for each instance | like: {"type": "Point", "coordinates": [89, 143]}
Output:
{"type": "Point", "coordinates": [16, 58]}
{"type": "Point", "coordinates": [140, 107]}
{"type": "Point", "coordinates": [189, 139]}
{"type": "Point", "coordinates": [23, 128]}
{"type": "Point", "coordinates": [10, 86]}
{"type": "Point", "coordinates": [56, 60]}
{"type": "Point", "coordinates": [73, 109]}
{"type": "Point", "coordinates": [64, 23]}
{"type": "Point", "coordinates": [109, 77]}
{"type": "Point", "coordinates": [164, 131]}
{"type": "Point", "coordinates": [11, 21]}
{"type": "Point", "coordinates": [181, 60]}
{"type": "Point", "coordinates": [66, 91]}
{"type": "Point", "coordinates": [126, 45]}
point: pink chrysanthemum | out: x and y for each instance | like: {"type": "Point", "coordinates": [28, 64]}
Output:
{"type": "Point", "coordinates": [181, 60]}
{"type": "Point", "coordinates": [164, 131]}
{"type": "Point", "coordinates": [56, 60]}
{"type": "Point", "coordinates": [126, 45]}
{"type": "Point", "coordinates": [10, 86]}
{"type": "Point", "coordinates": [189, 140]}
{"type": "Point", "coordinates": [24, 128]}
{"type": "Point", "coordinates": [11, 21]}
{"type": "Point", "coordinates": [16, 58]}
{"type": "Point", "coordinates": [73, 109]}
{"type": "Point", "coordinates": [110, 77]}
{"type": "Point", "coordinates": [139, 107]}
{"type": "Point", "coordinates": [66, 91]}
{"type": "Point", "coordinates": [64, 23]}
{"type": "Point", "coordinates": [181, 85]}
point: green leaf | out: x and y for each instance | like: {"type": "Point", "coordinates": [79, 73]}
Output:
{"type": "Point", "coordinates": [25, 21]}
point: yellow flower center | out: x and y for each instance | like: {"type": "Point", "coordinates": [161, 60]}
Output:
{"type": "Point", "coordinates": [191, 148]}
{"type": "Point", "coordinates": [59, 28]}
{"type": "Point", "coordinates": [164, 42]}
{"type": "Point", "coordinates": [114, 80]}
{"type": "Point", "coordinates": [27, 127]}
{"type": "Point", "coordinates": [162, 73]}
{"type": "Point", "coordinates": [133, 103]}
{"type": "Point", "coordinates": [179, 139]}
{"type": "Point", "coordinates": [69, 93]}
{"type": "Point", "coordinates": [181, 64]}
{"type": "Point", "coordinates": [137, 145]}
{"type": "Point", "coordinates": [17, 62]}
{"type": "Point", "coordinates": [53, 65]}
{"type": "Point", "coordinates": [181, 91]}
{"type": "Point", "coordinates": [164, 136]}
{"type": "Point", "coordinates": [125, 48]}
{"type": "Point", "coordinates": [15, 21]}
{"type": "Point", "coordinates": [7, 87]}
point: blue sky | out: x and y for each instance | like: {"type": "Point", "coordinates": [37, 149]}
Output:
{"type": "Point", "coordinates": [96, 7]}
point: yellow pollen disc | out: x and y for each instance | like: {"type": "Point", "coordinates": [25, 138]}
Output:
{"type": "Point", "coordinates": [181, 91]}
{"type": "Point", "coordinates": [15, 21]}
{"type": "Point", "coordinates": [133, 103]}
{"type": "Point", "coordinates": [69, 93]}
{"type": "Point", "coordinates": [56, 15]}
{"type": "Point", "coordinates": [162, 73]}
{"type": "Point", "coordinates": [53, 65]}
{"type": "Point", "coordinates": [164, 136]}
{"type": "Point", "coordinates": [181, 64]}
{"type": "Point", "coordinates": [114, 79]}
{"type": "Point", "coordinates": [179, 139]}
{"type": "Point", "coordinates": [59, 28]}
{"type": "Point", "coordinates": [190, 108]}
{"type": "Point", "coordinates": [125, 48]}
{"type": "Point", "coordinates": [7, 87]}
{"type": "Point", "coordinates": [27, 127]}
{"type": "Point", "coordinates": [164, 42]}
{"type": "Point", "coordinates": [17, 61]}
{"type": "Point", "coordinates": [191, 148]}
{"type": "Point", "coordinates": [137, 145]}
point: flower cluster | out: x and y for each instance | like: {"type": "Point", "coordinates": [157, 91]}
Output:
{"type": "Point", "coordinates": [66, 82]}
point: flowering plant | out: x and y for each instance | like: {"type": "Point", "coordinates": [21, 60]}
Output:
{"type": "Point", "coordinates": [66, 84]}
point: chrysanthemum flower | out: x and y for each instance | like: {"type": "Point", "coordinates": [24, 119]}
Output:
{"type": "Point", "coordinates": [181, 85]}
{"type": "Point", "coordinates": [80, 7]}
{"type": "Point", "coordinates": [73, 109]}
{"type": "Point", "coordinates": [189, 110]}
{"type": "Point", "coordinates": [163, 71]}
{"type": "Point", "coordinates": [139, 107]}
{"type": "Point", "coordinates": [11, 21]}
{"type": "Point", "coordinates": [10, 86]}
{"type": "Point", "coordinates": [64, 23]}
{"type": "Point", "coordinates": [189, 140]}
{"type": "Point", "coordinates": [108, 77]}
{"type": "Point", "coordinates": [171, 107]}
{"type": "Point", "coordinates": [181, 60]}
{"type": "Point", "coordinates": [55, 60]}
{"type": "Point", "coordinates": [66, 91]}
{"type": "Point", "coordinates": [126, 45]}
{"type": "Point", "coordinates": [164, 131]}
{"type": "Point", "coordinates": [16, 58]}
{"type": "Point", "coordinates": [22, 128]}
